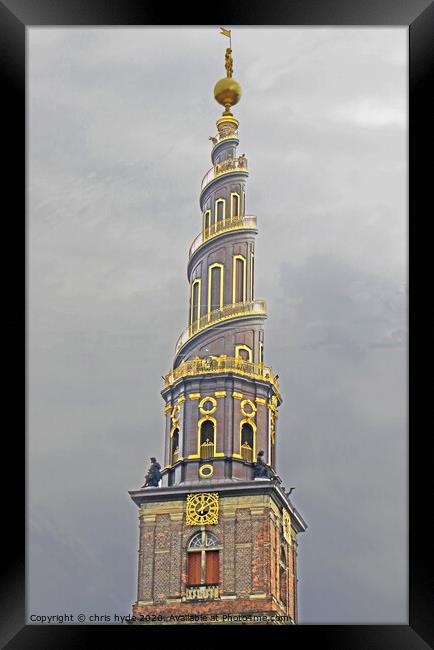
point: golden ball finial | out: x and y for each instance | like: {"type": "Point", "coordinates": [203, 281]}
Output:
{"type": "Point", "coordinates": [227, 92]}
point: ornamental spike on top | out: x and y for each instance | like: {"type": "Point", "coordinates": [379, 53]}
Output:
{"type": "Point", "coordinates": [227, 91]}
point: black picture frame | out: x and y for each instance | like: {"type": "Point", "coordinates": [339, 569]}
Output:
{"type": "Point", "coordinates": [15, 16]}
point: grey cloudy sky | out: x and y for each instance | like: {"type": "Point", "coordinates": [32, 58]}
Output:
{"type": "Point", "coordinates": [119, 121]}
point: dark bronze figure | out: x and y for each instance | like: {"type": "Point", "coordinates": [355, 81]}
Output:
{"type": "Point", "coordinates": [260, 468]}
{"type": "Point", "coordinates": [153, 476]}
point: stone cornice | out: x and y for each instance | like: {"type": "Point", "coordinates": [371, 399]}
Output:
{"type": "Point", "coordinates": [224, 488]}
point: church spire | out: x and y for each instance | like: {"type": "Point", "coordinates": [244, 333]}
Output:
{"type": "Point", "coordinates": [219, 524]}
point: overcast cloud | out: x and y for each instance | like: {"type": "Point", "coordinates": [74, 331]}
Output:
{"type": "Point", "coordinates": [119, 121]}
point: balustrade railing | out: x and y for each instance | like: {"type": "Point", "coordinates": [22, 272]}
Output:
{"type": "Point", "coordinates": [207, 450]}
{"type": "Point", "coordinates": [247, 452]}
{"type": "Point", "coordinates": [224, 225]}
{"type": "Point", "coordinates": [222, 363]}
{"type": "Point", "coordinates": [202, 592]}
{"type": "Point", "coordinates": [219, 137]}
{"type": "Point", "coordinates": [217, 315]}
{"type": "Point", "coordinates": [225, 167]}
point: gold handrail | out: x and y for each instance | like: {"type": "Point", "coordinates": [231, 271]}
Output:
{"type": "Point", "coordinates": [225, 167]}
{"type": "Point", "coordinates": [224, 225]}
{"type": "Point", "coordinates": [219, 138]}
{"type": "Point", "coordinates": [247, 452]}
{"type": "Point", "coordinates": [217, 315]}
{"type": "Point", "coordinates": [218, 364]}
{"type": "Point", "coordinates": [207, 450]}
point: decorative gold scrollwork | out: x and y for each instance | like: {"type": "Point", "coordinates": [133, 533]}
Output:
{"type": "Point", "coordinates": [248, 408]}
{"type": "Point", "coordinates": [207, 405]}
{"type": "Point", "coordinates": [286, 525]}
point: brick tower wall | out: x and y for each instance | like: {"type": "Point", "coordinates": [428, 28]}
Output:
{"type": "Point", "coordinates": [256, 563]}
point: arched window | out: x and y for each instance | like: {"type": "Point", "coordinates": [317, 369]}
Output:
{"type": "Point", "coordinates": [195, 301]}
{"type": "Point", "coordinates": [220, 211]}
{"type": "Point", "coordinates": [243, 352]}
{"type": "Point", "coordinates": [203, 559]}
{"type": "Point", "coordinates": [206, 223]}
{"type": "Point", "coordinates": [215, 287]}
{"type": "Point", "coordinates": [283, 577]}
{"type": "Point", "coordinates": [198, 540]}
{"type": "Point", "coordinates": [175, 446]}
{"type": "Point", "coordinates": [239, 279]}
{"type": "Point", "coordinates": [235, 206]}
{"type": "Point", "coordinates": [207, 439]}
{"type": "Point", "coordinates": [247, 442]}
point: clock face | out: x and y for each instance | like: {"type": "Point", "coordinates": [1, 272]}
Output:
{"type": "Point", "coordinates": [202, 509]}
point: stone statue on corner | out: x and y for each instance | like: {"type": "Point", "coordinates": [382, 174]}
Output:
{"type": "Point", "coordinates": [153, 476]}
{"type": "Point", "coordinates": [260, 468]}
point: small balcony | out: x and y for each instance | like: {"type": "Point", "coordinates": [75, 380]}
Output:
{"type": "Point", "coordinates": [223, 364]}
{"type": "Point", "coordinates": [202, 592]}
{"type": "Point", "coordinates": [252, 308]}
{"type": "Point", "coordinates": [225, 225]}
{"type": "Point", "coordinates": [226, 167]}
{"type": "Point", "coordinates": [207, 450]}
{"type": "Point", "coordinates": [247, 452]}
{"type": "Point", "coordinates": [220, 137]}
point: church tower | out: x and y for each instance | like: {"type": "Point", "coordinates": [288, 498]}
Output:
{"type": "Point", "coordinates": [218, 532]}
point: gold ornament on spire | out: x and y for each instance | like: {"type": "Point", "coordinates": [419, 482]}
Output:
{"type": "Point", "coordinates": [227, 91]}
{"type": "Point", "coordinates": [229, 64]}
